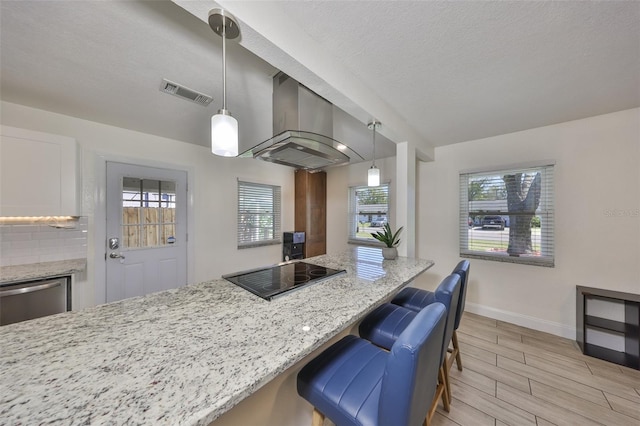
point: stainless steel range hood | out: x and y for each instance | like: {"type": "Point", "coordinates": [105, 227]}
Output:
{"type": "Point", "coordinates": [303, 129]}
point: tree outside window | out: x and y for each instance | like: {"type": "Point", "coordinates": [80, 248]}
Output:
{"type": "Point", "coordinates": [507, 215]}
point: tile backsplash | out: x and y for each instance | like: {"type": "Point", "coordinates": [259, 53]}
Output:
{"type": "Point", "coordinates": [32, 243]}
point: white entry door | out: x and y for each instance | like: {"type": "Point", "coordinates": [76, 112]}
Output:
{"type": "Point", "coordinates": [146, 247]}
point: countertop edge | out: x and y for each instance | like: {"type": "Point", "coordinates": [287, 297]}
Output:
{"type": "Point", "coordinates": [16, 274]}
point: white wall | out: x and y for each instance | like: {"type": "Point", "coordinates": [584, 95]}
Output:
{"type": "Point", "coordinates": [213, 190]}
{"type": "Point", "coordinates": [597, 196]}
{"type": "Point", "coordinates": [339, 179]}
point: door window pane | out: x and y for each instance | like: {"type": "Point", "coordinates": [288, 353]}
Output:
{"type": "Point", "coordinates": [131, 236]}
{"type": "Point", "coordinates": [148, 212]}
{"type": "Point", "coordinates": [150, 235]}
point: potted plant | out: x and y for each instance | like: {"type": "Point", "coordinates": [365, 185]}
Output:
{"type": "Point", "coordinates": [390, 240]}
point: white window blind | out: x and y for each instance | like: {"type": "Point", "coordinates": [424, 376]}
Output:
{"type": "Point", "coordinates": [258, 214]}
{"type": "Point", "coordinates": [508, 215]}
{"type": "Point", "coordinates": [368, 212]}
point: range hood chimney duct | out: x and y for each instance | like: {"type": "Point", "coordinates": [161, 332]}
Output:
{"type": "Point", "coordinates": [297, 108]}
{"type": "Point", "coordinates": [303, 129]}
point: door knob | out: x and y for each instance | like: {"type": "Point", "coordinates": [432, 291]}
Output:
{"type": "Point", "coordinates": [115, 255]}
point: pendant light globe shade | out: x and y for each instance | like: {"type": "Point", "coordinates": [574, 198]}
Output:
{"type": "Point", "coordinates": [224, 135]}
{"type": "Point", "coordinates": [373, 177]}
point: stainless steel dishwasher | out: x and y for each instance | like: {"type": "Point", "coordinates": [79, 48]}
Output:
{"type": "Point", "coordinates": [34, 299]}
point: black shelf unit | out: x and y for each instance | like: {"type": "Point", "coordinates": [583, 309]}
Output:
{"type": "Point", "coordinates": [629, 329]}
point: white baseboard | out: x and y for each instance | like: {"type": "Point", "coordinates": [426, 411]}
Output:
{"type": "Point", "coordinates": [523, 320]}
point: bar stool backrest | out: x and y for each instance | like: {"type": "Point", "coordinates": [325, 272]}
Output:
{"type": "Point", "coordinates": [411, 374]}
{"type": "Point", "coordinates": [462, 269]}
{"type": "Point", "coordinates": [448, 293]}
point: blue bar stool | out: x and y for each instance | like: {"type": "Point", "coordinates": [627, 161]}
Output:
{"type": "Point", "coordinates": [383, 326]}
{"type": "Point", "coordinates": [416, 299]}
{"type": "Point", "coordinates": [354, 382]}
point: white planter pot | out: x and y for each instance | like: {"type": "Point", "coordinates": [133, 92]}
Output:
{"type": "Point", "coordinates": [389, 253]}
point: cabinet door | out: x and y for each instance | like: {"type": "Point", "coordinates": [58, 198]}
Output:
{"type": "Point", "coordinates": [38, 174]}
{"type": "Point", "coordinates": [311, 210]}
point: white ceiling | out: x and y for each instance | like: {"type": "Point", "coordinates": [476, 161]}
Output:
{"type": "Point", "coordinates": [460, 71]}
{"type": "Point", "coordinates": [433, 72]}
{"type": "Point", "coordinates": [104, 61]}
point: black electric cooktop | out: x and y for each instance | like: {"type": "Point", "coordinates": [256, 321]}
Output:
{"type": "Point", "coordinates": [275, 280]}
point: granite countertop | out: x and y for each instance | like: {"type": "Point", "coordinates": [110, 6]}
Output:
{"type": "Point", "coordinates": [36, 271]}
{"type": "Point", "coordinates": [182, 356]}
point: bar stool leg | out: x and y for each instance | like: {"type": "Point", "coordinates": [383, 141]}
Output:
{"type": "Point", "coordinates": [447, 385]}
{"type": "Point", "coordinates": [443, 388]}
{"type": "Point", "coordinates": [454, 340]}
{"type": "Point", "coordinates": [440, 393]}
{"type": "Point", "coordinates": [317, 418]}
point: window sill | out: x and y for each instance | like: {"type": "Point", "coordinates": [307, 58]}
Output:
{"type": "Point", "coordinates": [366, 243]}
{"type": "Point", "coordinates": [259, 244]}
{"type": "Point", "coordinates": [524, 260]}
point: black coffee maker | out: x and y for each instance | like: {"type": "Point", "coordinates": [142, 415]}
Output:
{"type": "Point", "coordinates": [293, 246]}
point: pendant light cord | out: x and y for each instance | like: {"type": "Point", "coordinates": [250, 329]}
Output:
{"type": "Point", "coordinates": [224, 63]}
{"type": "Point", "coordinates": [374, 144]}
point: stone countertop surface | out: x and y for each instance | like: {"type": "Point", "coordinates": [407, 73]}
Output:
{"type": "Point", "coordinates": [36, 271]}
{"type": "Point", "coordinates": [182, 356]}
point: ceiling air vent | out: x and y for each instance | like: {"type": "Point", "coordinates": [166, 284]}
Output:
{"type": "Point", "coordinates": [183, 92]}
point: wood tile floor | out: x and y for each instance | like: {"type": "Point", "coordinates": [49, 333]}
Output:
{"type": "Point", "coordinates": [517, 376]}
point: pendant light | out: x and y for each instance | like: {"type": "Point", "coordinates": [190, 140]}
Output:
{"type": "Point", "coordinates": [373, 176]}
{"type": "Point", "coordinates": [224, 128]}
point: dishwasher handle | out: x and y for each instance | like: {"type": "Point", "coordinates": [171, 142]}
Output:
{"type": "Point", "coordinates": [29, 288]}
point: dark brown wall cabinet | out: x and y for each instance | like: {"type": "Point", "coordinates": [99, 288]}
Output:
{"type": "Point", "coordinates": [311, 210]}
{"type": "Point", "coordinates": [629, 329]}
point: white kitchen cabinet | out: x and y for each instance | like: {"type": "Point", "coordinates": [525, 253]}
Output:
{"type": "Point", "coordinates": [39, 174]}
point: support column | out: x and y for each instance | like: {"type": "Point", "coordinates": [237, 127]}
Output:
{"type": "Point", "coordinates": [405, 197]}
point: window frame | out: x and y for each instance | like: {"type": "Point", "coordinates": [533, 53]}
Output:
{"type": "Point", "coordinates": [245, 188]}
{"type": "Point", "coordinates": [545, 210]}
{"type": "Point", "coordinates": [352, 215]}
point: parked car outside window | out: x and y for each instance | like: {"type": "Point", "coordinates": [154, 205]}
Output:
{"type": "Point", "coordinates": [379, 222]}
{"type": "Point", "coordinates": [496, 222]}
